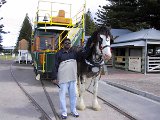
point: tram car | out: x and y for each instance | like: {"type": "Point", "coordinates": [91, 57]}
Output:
{"type": "Point", "coordinates": [52, 25]}
{"type": "Point", "coordinates": [24, 55]}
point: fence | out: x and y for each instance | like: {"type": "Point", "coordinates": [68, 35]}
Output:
{"type": "Point", "coordinates": [153, 64]}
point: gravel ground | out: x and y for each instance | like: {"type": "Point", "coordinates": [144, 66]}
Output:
{"type": "Point", "coordinates": [149, 83]}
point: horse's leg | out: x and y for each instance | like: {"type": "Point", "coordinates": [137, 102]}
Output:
{"type": "Point", "coordinates": [81, 105]}
{"type": "Point", "coordinates": [95, 103]}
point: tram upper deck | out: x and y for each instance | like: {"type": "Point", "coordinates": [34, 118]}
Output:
{"type": "Point", "coordinates": [53, 14]}
{"type": "Point", "coordinates": [54, 22]}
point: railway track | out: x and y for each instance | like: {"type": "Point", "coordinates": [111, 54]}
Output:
{"type": "Point", "coordinates": [45, 115]}
{"type": "Point", "coordinates": [130, 117]}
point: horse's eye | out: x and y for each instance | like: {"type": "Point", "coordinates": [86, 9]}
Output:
{"type": "Point", "coordinates": [101, 39]}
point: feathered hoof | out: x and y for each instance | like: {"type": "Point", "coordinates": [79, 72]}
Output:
{"type": "Point", "coordinates": [97, 107]}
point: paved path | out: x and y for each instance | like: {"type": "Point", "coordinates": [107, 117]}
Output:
{"type": "Point", "coordinates": [14, 105]}
{"type": "Point", "coordinates": [137, 106]}
{"type": "Point", "coordinates": [149, 83]}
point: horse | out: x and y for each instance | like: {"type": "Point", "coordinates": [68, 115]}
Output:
{"type": "Point", "coordinates": [91, 67]}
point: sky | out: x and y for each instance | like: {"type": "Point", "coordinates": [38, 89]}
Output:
{"type": "Point", "coordinates": [14, 12]}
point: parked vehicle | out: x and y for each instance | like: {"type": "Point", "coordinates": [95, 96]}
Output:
{"type": "Point", "coordinates": [24, 55]}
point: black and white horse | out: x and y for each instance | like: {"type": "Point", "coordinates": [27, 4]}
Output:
{"type": "Point", "coordinates": [91, 68]}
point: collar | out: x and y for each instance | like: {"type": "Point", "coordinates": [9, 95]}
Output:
{"type": "Point", "coordinates": [66, 51]}
{"type": "Point", "coordinates": [92, 64]}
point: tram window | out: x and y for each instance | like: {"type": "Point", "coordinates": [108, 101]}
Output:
{"type": "Point", "coordinates": [45, 43]}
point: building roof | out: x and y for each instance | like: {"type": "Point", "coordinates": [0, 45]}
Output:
{"type": "Point", "coordinates": [149, 34]}
{"type": "Point", "coordinates": [8, 47]}
{"type": "Point", "coordinates": [119, 32]}
{"type": "Point", "coordinates": [116, 32]}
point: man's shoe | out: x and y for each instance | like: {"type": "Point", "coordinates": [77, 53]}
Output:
{"type": "Point", "coordinates": [74, 114]}
{"type": "Point", "coordinates": [64, 116]}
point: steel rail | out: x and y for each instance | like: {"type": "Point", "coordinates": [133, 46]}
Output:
{"type": "Point", "coordinates": [50, 102]}
{"type": "Point", "coordinates": [45, 115]}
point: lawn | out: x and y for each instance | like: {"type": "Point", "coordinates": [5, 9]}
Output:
{"type": "Point", "coordinates": [6, 57]}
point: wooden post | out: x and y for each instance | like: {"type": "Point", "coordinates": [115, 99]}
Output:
{"type": "Point", "coordinates": [126, 58]}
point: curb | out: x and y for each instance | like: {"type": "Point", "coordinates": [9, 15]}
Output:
{"type": "Point", "coordinates": [135, 91]}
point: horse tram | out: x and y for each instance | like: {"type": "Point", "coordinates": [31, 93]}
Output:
{"type": "Point", "coordinates": [51, 27]}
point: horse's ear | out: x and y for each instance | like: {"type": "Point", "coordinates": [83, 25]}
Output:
{"type": "Point", "coordinates": [111, 40]}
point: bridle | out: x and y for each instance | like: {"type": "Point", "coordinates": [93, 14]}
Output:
{"type": "Point", "coordinates": [100, 45]}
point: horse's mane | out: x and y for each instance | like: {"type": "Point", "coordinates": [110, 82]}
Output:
{"type": "Point", "coordinates": [92, 39]}
{"type": "Point", "coordinates": [95, 36]}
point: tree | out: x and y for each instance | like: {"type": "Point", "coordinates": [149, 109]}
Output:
{"type": "Point", "coordinates": [131, 14]}
{"type": "Point", "coordinates": [149, 10]}
{"type": "Point", "coordinates": [25, 32]}
{"type": "Point", "coordinates": [90, 26]}
{"type": "Point", "coordinates": [1, 25]}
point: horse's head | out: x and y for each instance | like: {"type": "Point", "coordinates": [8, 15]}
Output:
{"type": "Point", "coordinates": [103, 43]}
{"type": "Point", "coordinates": [101, 40]}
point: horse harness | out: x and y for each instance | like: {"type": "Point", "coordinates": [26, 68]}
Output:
{"type": "Point", "coordinates": [100, 45]}
{"type": "Point", "coordinates": [96, 63]}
